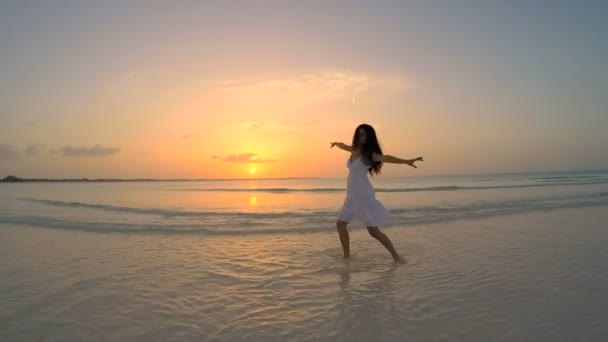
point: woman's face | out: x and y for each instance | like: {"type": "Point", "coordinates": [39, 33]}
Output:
{"type": "Point", "coordinates": [362, 136]}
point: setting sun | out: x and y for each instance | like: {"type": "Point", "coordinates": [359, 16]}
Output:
{"type": "Point", "coordinates": [252, 170]}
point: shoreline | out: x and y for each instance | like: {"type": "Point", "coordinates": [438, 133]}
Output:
{"type": "Point", "coordinates": [119, 180]}
{"type": "Point", "coordinates": [16, 179]}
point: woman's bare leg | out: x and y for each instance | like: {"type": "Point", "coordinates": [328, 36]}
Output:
{"type": "Point", "coordinates": [344, 238]}
{"type": "Point", "coordinates": [386, 242]}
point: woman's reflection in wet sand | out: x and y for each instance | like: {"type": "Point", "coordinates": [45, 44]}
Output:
{"type": "Point", "coordinates": [367, 306]}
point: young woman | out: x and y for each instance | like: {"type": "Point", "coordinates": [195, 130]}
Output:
{"type": "Point", "coordinates": [361, 205]}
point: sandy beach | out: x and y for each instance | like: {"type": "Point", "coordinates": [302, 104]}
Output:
{"type": "Point", "coordinates": [534, 276]}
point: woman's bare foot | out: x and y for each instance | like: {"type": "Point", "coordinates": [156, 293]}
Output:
{"type": "Point", "coordinates": [400, 260]}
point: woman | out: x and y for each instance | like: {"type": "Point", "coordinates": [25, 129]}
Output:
{"type": "Point", "coordinates": [361, 205]}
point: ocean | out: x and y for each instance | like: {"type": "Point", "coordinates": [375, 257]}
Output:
{"type": "Point", "coordinates": [490, 257]}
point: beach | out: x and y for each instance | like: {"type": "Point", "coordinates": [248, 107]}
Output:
{"type": "Point", "coordinates": [82, 267]}
{"type": "Point", "coordinates": [240, 171]}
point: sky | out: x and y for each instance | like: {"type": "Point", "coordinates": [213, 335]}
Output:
{"type": "Point", "coordinates": [237, 89]}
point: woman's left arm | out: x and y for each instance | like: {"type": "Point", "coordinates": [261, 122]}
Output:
{"type": "Point", "coordinates": [385, 158]}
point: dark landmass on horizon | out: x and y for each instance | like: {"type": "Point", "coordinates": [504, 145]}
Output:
{"type": "Point", "coordinates": [15, 179]}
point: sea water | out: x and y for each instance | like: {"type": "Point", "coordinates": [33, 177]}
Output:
{"type": "Point", "coordinates": [490, 257]}
{"type": "Point", "coordinates": [240, 207]}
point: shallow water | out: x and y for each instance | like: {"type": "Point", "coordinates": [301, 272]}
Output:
{"type": "Point", "coordinates": [144, 261]}
{"type": "Point", "coordinates": [245, 207]}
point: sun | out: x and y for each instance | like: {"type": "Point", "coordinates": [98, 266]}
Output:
{"type": "Point", "coordinates": [252, 170]}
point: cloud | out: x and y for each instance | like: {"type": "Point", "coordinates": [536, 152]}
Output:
{"type": "Point", "coordinates": [243, 158]}
{"type": "Point", "coordinates": [255, 125]}
{"type": "Point", "coordinates": [313, 87]}
{"type": "Point", "coordinates": [7, 119]}
{"type": "Point", "coordinates": [9, 152]}
{"type": "Point", "coordinates": [239, 158]}
{"type": "Point", "coordinates": [33, 149]}
{"type": "Point", "coordinates": [88, 151]}
{"type": "Point", "coordinates": [186, 136]}
{"type": "Point", "coordinates": [283, 125]}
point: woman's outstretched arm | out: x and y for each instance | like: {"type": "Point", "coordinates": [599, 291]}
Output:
{"type": "Point", "coordinates": [341, 146]}
{"type": "Point", "coordinates": [385, 158]}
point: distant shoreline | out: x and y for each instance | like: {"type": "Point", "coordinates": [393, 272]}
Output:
{"type": "Point", "coordinates": [15, 179]}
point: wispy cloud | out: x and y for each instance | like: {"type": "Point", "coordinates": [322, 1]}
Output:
{"type": "Point", "coordinates": [33, 149]}
{"type": "Point", "coordinates": [243, 158]}
{"type": "Point", "coordinates": [9, 152]}
{"type": "Point", "coordinates": [7, 119]}
{"type": "Point", "coordinates": [239, 158]}
{"type": "Point", "coordinates": [324, 85]}
{"type": "Point", "coordinates": [254, 125]}
{"type": "Point", "coordinates": [282, 125]}
{"type": "Point", "coordinates": [88, 151]}
{"type": "Point", "coordinates": [186, 136]}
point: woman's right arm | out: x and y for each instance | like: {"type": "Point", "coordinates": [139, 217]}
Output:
{"type": "Point", "coordinates": [341, 146]}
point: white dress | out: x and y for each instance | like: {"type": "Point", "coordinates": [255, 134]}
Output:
{"type": "Point", "coordinates": [361, 205]}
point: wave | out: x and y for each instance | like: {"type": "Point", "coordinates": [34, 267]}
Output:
{"type": "Point", "coordinates": [418, 189]}
{"type": "Point", "coordinates": [304, 222]}
{"type": "Point", "coordinates": [156, 211]}
{"type": "Point", "coordinates": [143, 228]}
{"type": "Point", "coordinates": [305, 214]}
{"type": "Point", "coordinates": [570, 176]}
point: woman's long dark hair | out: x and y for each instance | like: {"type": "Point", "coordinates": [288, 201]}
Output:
{"type": "Point", "coordinates": [370, 146]}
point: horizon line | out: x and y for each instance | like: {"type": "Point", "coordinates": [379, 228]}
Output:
{"type": "Point", "coordinates": [15, 179]}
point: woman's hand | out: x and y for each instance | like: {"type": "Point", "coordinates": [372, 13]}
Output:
{"type": "Point", "coordinates": [341, 146]}
{"type": "Point", "coordinates": [411, 162]}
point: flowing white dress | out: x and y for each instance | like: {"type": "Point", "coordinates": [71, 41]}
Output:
{"type": "Point", "coordinates": [361, 205]}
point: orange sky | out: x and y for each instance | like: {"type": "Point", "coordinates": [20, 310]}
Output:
{"type": "Point", "coordinates": [213, 90]}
